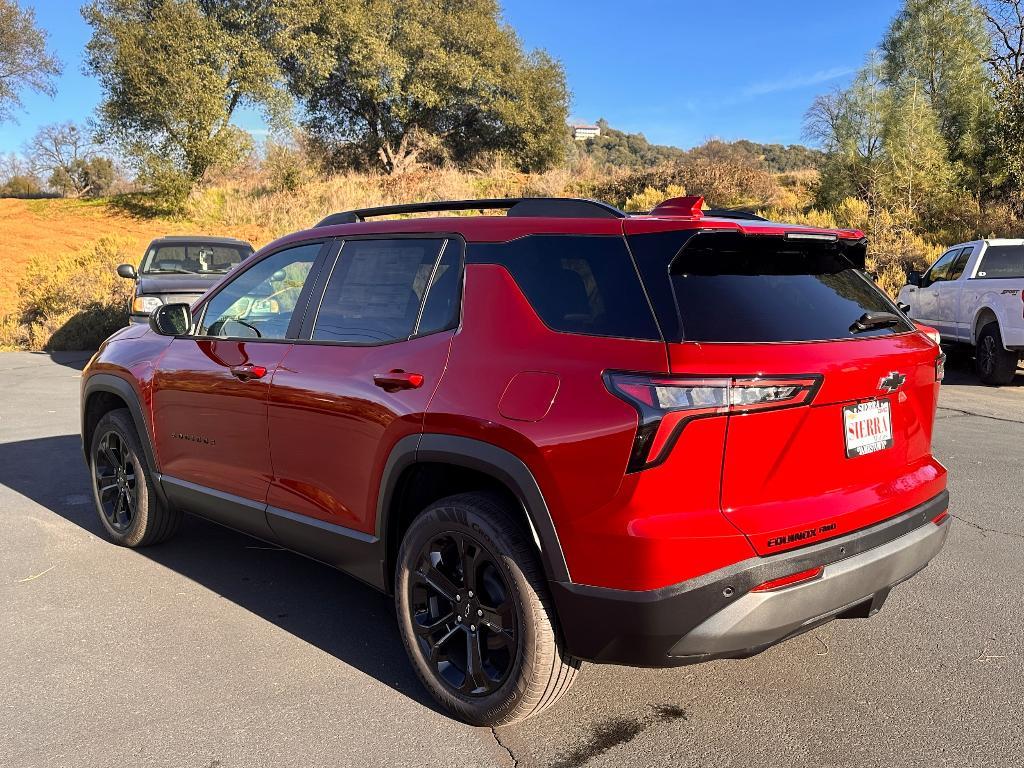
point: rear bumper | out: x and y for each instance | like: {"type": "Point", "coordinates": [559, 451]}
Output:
{"type": "Point", "coordinates": [718, 616]}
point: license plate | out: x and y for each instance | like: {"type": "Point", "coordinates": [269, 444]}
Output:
{"type": "Point", "coordinates": [868, 427]}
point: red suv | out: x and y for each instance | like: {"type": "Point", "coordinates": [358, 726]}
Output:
{"type": "Point", "coordinates": [561, 434]}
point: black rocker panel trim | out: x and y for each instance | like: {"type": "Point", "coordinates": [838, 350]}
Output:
{"type": "Point", "coordinates": [354, 552]}
{"type": "Point", "coordinates": [227, 509]}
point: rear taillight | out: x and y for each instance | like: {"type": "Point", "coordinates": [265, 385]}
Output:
{"type": "Point", "coordinates": [666, 404]}
{"type": "Point", "coordinates": [789, 581]}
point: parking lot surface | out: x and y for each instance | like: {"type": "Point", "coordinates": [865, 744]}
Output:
{"type": "Point", "coordinates": [217, 650]}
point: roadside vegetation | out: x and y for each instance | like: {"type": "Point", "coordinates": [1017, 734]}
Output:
{"type": "Point", "coordinates": [441, 102]}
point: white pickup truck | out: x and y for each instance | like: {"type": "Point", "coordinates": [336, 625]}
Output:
{"type": "Point", "coordinates": [974, 294]}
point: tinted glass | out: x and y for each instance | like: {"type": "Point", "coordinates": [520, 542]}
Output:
{"type": "Point", "coordinates": [940, 269]}
{"type": "Point", "coordinates": [193, 258]}
{"type": "Point", "coordinates": [959, 263]}
{"type": "Point", "coordinates": [765, 290]}
{"type": "Point", "coordinates": [577, 284]}
{"type": "Point", "coordinates": [1002, 261]}
{"type": "Point", "coordinates": [375, 290]}
{"type": "Point", "coordinates": [259, 303]}
{"type": "Point", "coordinates": [441, 310]}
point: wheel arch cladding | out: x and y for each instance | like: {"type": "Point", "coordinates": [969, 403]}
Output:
{"type": "Point", "coordinates": [422, 469]}
{"type": "Point", "coordinates": [105, 392]}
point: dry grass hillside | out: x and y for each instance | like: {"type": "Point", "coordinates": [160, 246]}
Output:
{"type": "Point", "coordinates": [51, 229]}
{"type": "Point", "coordinates": [58, 256]}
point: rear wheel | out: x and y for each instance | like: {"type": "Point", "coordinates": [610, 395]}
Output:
{"type": "Point", "coordinates": [996, 364]}
{"type": "Point", "coordinates": [475, 615]}
{"type": "Point", "coordinates": [122, 487]}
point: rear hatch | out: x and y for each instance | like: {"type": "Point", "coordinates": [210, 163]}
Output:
{"type": "Point", "coordinates": [828, 391]}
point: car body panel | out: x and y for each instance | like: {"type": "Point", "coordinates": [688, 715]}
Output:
{"type": "Point", "coordinates": [310, 454]}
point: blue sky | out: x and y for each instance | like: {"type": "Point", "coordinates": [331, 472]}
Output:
{"type": "Point", "coordinates": [676, 70]}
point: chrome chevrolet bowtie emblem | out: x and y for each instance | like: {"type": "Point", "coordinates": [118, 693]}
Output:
{"type": "Point", "coordinates": [893, 381]}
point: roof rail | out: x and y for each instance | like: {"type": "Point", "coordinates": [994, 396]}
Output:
{"type": "Point", "coordinates": [553, 207]}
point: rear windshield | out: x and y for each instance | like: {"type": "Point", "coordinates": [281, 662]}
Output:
{"type": "Point", "coordinates": [1002, 261]}
{"type": "Point", "coordinates": [193, 258]}
{"type": "Point", "coordinates": [748, 289]}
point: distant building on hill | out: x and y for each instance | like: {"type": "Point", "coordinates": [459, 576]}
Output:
{"type": "Point", "coordinates": [583, 132]}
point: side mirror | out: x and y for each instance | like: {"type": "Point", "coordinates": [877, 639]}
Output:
{"type": "Point", "coordinates": [127, 271]}
{"type": "Point", "coordinates": [914, 278]}
{"type": "Point", "coordinates": [904, 308]}
{"type": "Point", "coordinates": [171, 319]}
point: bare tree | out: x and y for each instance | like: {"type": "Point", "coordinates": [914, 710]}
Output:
{"type": "Point", "coordinates": [66, 156]}
{"type": "Point", "coordinates": [24, 60]}
{"type": "Point", "coordinates": [1006, 25]}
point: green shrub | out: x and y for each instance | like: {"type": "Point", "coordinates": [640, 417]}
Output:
{"type": "Point", "coordinates": [72, 302]}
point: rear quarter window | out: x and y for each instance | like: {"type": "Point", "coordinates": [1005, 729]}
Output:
{"type": "Point", "coordinates": [1002, 261]}
{"type": "Point", "coordinates": [584, 284]}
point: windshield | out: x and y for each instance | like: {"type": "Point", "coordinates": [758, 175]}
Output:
{"type": "Point", "coordinates": [192, 258]}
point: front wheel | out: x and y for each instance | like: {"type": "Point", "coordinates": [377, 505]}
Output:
{"type": "Point", "coordinates": [995, 363]}
{"type": "Point", "coordinates": [475, 615]}
{"type": "Point", "coordinates": [123, 488]}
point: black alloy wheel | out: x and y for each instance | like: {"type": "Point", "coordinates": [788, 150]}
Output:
{"type": "Point", "coordinates": [462, 614]}
{"type": "Point", "coordinates": [116, 481]}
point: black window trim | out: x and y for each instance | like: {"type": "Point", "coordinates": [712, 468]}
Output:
{"type": "Point", "coordinates": [304, 334]}
{"type": "Point", "coordinates": [327, 246]}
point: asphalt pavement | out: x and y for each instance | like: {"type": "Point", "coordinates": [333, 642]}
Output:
{"type": "Point", "coordinates": [216, 650]}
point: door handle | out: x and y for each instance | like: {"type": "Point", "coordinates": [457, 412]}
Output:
{"type": "Point", "coordinates": [248, 372]}
{"type": "Point", "coordinates": [398, 379]}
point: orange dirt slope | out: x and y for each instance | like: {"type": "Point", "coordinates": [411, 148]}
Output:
{"type": "Point", "coordinates": [53, 227]}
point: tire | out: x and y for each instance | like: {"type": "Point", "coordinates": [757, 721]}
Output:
{"type": "Point", "coordinates": [524, 667]}
{"type": "Point", "coordinates": [122, 486]}
{"type": "Point", "coordinates": [995, 364]}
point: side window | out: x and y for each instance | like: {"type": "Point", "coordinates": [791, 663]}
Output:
{"type": "Point", "coordinates": [959, 264]}
{"type": "Point", "coordinates": [1002, 261]}
{"type": "Point", "coordinates": [258, 304]}
{"type": "Point", "coordinates": [577, 284]}
{"type": "Point", "coordinates": [376, 288]}
{"type": "Point", "coordinates": [940, 269]}
{"type": "Point", "coordinates": [441, 309]}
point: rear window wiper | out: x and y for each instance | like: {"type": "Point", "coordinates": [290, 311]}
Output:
{"type": "Point", "coordinates": [871, 320]}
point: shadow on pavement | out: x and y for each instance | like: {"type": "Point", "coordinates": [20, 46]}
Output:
{"type": "Point", "coordinates": [76, 360]}
{"type": "Point", "coordinates": [315, 603]}
{"type": "Point", "coordinates": [961, 371]}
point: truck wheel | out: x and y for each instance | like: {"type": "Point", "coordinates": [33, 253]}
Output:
{"type": "Point", "coordinates": [122, 487]}
{"type": "Point", "coordinates": [995, 363]}
{"type": "Point", "coordinates": [475, 614]}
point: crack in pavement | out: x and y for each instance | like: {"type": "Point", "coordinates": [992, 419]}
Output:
{"type": "Point", "coordinates": [984, 530]}
{"type": "Point", "coordinates": [962, 412]}
{"type": "Point", "coordinates": [512, 757]}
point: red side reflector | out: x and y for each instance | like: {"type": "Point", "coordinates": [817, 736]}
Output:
{"type": "Point", "coordinates": [940, 518]}
{"type": "Point", "coordinates": [788, 581]}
